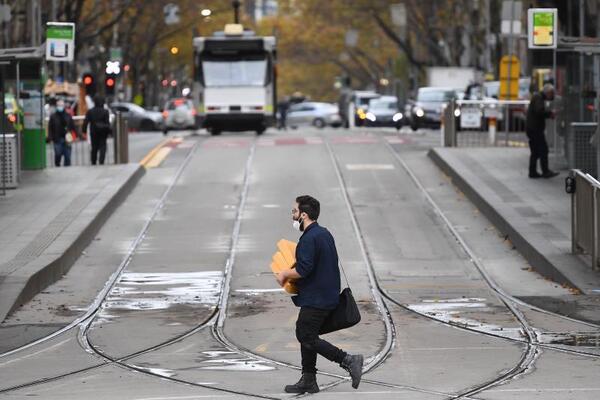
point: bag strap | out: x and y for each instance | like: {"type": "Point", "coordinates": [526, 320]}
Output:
{"type": "Point", "coordinates": [344, 272]}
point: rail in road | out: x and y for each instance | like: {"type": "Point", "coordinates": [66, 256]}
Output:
{"type": "Point", "coordinates": [384, 300]}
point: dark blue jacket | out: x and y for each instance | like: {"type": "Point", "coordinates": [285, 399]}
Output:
{"type": "Point", "coordinates": [317, 263]}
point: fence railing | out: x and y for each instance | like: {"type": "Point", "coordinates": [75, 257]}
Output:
{"type": "Point", "coordinates": [585, 214]}
{"type": "Point", "coordinates": [481, 123]}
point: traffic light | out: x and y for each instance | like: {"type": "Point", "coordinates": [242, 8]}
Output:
{"type": "Point", "coordinates": [89, 83]}
{"type": "Point", "coordinates": [109, 85]}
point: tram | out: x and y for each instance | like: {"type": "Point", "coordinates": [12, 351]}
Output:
{"type": "Point", "coordinates": [235, 82]}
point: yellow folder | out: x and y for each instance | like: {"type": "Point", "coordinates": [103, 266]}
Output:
{"type": "Point", "coordinates": [285, 258]}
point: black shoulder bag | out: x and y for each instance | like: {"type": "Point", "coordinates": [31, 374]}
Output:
{"type": "Point", "coordinates": [346, 313]}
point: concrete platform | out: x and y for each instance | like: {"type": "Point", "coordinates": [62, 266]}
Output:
{"type": "Point", "coordinates": [48, 221]}
{"type": "Point", "coordinates": [535, 214]}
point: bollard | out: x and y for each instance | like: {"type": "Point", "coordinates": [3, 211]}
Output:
{"type": "Point", "coordinates": [121, 141]}
{"type": "Point", "coordinates": [492, 131]}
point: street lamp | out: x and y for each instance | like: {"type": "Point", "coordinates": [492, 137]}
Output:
{"type": "Point", "coordinates": [174, 50]}
{"type": "Point", "coordinates": [206, 12]}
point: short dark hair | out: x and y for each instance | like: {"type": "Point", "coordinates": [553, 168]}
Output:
{"type": "Point", "coordinates": [309, 205]}
{"type": "Point", "coordinates": [98, 101]}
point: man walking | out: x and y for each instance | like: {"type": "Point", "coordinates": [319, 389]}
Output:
{"type": "Point", "coordinates": [537, 113]}
{"type": "Point", "coordinates": [99, 121]}
{"type": "Point", "coordinates": [59, 125]}
{"type": "Point", "coordinates": [317, 277]}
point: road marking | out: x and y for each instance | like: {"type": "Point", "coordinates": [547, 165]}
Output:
{"type": "Point", "coordinates": [369, 167]}
{"type": "Point", "coordinates": [271, 206]}
{"type": "Point", "coordinates": [152, 152]}
{"type": "Point", "coordinates": [159, 157]}
{"type": "Point", "coordinates": [547, 390]}
{"type": "Point", "coordinates": [261, 348]}
{"type": "Point", "coordinates": [253, 291]}
{"type": "Point", "coordinates": [36, 353]}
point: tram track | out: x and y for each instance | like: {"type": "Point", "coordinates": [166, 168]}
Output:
{"type": "Point", "coordinates": [216, 319]}
{"type": "Point", "coordinates": [533, 346]}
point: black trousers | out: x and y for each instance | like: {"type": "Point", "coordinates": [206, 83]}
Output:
{"type": "Point", "coordinates": [539, 151]}
{"type": "Point", "coordinates": [308, 325]}
{"type": "Point", "coordinates": [98, 146]}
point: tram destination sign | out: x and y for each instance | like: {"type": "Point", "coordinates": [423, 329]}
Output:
{"type": "Point", "coordinates": [542, 28]}
{"type": "Point", "coordinates": [60, 41]}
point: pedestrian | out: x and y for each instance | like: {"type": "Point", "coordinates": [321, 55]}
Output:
{"type": "Point", "coordinates": [283, 108]}
{"type": "Point", "coordinates": [537, 113]}
{"type": "Point", "coordinates": [61, 131]}
{"type": "Point", "coordinates": [317, 277]}
{"type": "Point", "coordinates": [99, 121]}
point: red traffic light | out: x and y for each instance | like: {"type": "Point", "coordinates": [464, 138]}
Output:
{"type": "Point", "coordinates": [88, 80]}
{"type": "Point", "coordinates": [110, 82]}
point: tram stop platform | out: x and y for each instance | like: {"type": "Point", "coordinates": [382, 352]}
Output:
{"type": "Point", "coordinates": [534, 214]}
{"type": "Point", "coordinates": [49, 220]}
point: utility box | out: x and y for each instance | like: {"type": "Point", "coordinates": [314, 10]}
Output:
{"type": "Point", "coordinates": [9, 172]}
{"type": "Point", "coordinates": [21, 76]}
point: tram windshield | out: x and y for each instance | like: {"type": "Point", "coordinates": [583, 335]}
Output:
{"type": "Point", "coordinates": [235, 73]}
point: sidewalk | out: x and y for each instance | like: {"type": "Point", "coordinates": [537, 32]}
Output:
{"type": "Point", "coordinates": [535, 214]}
{"type": "Point", "coordinates": [47, 222]}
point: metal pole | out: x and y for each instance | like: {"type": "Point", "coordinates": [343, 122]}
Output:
{"type": "Point", "coordinates": [509, 83]}
{"type": "Point", "coordinates": [236, 11]}
{"type": "Point", "coordinates": [3, 131]}
{"type": "Point", "coordinates": [117, 135]}
{"type": "Point", "coordinates": [19, 122]}
{"type": "Point", "coordinates": [581, 58]}
{"type": "Point", "coordinates": [488, 48]}
{"type": "Point", "coordinates": [53, 16]}
{"type": "Point", "coordinates": [554, 130]}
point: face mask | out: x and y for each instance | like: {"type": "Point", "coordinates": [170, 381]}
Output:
{"type": "Point", "coordinates": [297, 224]}
{"type": "Point", "coordinates": [60, 109]}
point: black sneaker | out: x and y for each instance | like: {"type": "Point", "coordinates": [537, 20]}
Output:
{"type": "Point", "coordinates": [535, 175]}
{"type": "Point", "coordinates": [354, 365]}
{"type": "Point", "coordinates": [549, 174]}
{"type": "Point", "coordinates": [306, 384]}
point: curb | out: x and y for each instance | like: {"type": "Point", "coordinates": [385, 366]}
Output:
{"type": "Point", "coordinates": [53, 268]}
{"type": "Point", "coordinates": [525, 245]}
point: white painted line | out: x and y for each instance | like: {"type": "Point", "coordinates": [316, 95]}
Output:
{"type": "Point", "coordinates": [369, 167]}
{"type": "Point", "coordinates": [558, 390]}
{"type": "Point", "coordinates": [271, 206]}
{"type": "Point", "coordinates": [259, 290]}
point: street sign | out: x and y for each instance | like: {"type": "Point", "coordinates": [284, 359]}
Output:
{"type": "Point", "coordinates": [171, 14]}
{"type": "Point", "coordinates": [60, 41]}
{"type": "Point", "coordinates": [470, 117]}
{"type": "Point", "coordinates": [510, 69]}
{"type": "Point", "coordinates": [116, 54]}
{"type": "Point", "coordinates": [542, 28]}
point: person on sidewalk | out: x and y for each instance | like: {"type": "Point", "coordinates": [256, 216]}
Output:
{"type": "Point", "coordinates": [537, 113]}
{"type": "Point", "coordinates": [59, 125]}
{"type": "Point", "coordinates": [99, 121]}
{"type": "Point", "coordinates": [317, 277]}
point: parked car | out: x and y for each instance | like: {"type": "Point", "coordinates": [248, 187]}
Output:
{"type": "Point", "coordinates": [179, 114]}
{"type": "Point", "coordinates": [139, 118]}
{"type": "Point", "coordinates": [384, 111]}
{"type": "Point", "coordinates": [361, 101]}
{"type": "Point", "coordinates": [426, 111]}
{"type": "Point", "coordinates": [316, 114]}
